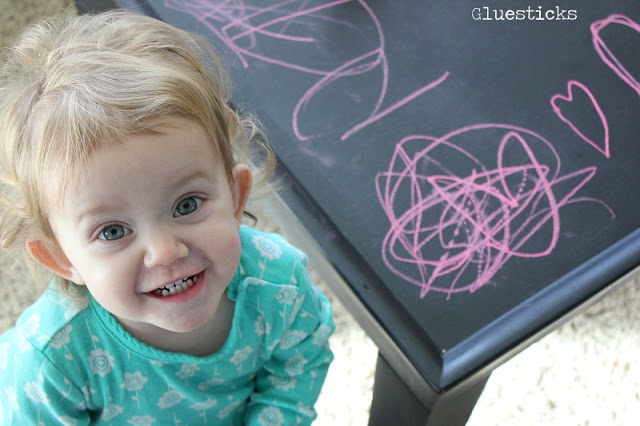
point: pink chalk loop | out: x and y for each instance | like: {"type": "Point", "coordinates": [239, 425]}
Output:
{"type": "Point", "coordinates": [455, 220]}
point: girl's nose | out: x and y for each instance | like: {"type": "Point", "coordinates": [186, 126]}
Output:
{"type": "Point", "coordinates": [163, 248]}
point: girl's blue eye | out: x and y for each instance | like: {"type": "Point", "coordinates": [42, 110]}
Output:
{"type": "Point", "coordinates": [114, 232]}
{"type": "Point", "coordinates": [187, 206]}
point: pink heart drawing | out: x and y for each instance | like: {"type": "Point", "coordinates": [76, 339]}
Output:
{"type": "Point", "coordinates": [604, 149]}
{"type": "Point", "coordinates": [605, 53]}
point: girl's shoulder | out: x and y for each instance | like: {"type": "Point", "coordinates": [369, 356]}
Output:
{"type": "Point", "coordinates": [47, 320]}
{"type": "Point", "coordinates": [270, 257]}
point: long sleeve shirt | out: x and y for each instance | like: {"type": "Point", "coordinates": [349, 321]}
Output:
{"type": "Point", "coordinates": [68, 361]}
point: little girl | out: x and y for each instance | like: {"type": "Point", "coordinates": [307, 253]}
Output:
{"type": "Point", "coordinates": [124, 172]}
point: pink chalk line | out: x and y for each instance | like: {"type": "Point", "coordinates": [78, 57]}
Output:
{"type": "Point", "coordinates": [250, 21]}
{"type": "Point", "coordinates": [606, 55]}
{"type": "Point", "coordinates": [604, 149]}
{"type": "Point", "coordinates": [452, 230]}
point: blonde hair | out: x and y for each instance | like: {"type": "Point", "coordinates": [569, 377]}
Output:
{"type": "Point", "coordinates": [73, 85]}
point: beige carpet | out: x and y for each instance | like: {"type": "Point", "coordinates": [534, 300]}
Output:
{"type": "Point", "coordinates": [585, 373]}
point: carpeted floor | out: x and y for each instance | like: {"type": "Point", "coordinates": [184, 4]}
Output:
{"type": "Point", "coordinates": [587, 372]}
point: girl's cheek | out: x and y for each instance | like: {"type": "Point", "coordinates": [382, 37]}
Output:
{"type": "Point", "coordinates": [234, 241]}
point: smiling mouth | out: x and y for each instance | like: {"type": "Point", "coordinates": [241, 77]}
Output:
{"type": "Point", "coordinates": [176, 287]}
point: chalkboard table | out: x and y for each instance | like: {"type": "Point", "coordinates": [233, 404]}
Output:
{"type": "Point", "coordinates": [465, 173]}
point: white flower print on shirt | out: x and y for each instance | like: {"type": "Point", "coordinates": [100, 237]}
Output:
{"type": "Point", "coordinates": [262, 326]}
{"type": "Point", "coordinates": [241, 355]}
{"type": "Point", "coordinates": [187, 370]}
{"type": "Point", "coordinates": [209, 383]}
{"type": "Point", "coordinates": [271, 416]}
{"type": "Point", "coordinates": [170, 398]}
{"type": "Point", "coordinates": [35, 393]}
{"type": "Point", "coordinates": [215, 380]}
{"type": "Point", "coordinates": [230, 408]}
{"type": "Point", "coordinates": [77, 305]}
{"type": "Point", "coordinates": [101, 362]}
{"type": "Point", "coordinates": [61, 337]}
{"type": "Point", "coordinates": [68, 421]}
{"type": "Point", "coordinates": [283, 383]}
{"type": "Point", "coordinates": [297, 310]}
{"type": "Point", "coordinates": [111, 412]}
{"type": "Point", "coordinates": [306, 409]}
{"type": "Point", "coordinates": [321, 335]}
{"type": "Point", "coordinates": [267, 248]}
{"type": "Point", "coordinates": [255, 281]}
{"type": "Point", "coordinates": [30, 327]}
{"type": "Point", "coordinates": [70, 305]}
{"type": "Point", "coordinates": [292, 338]}
{"type": "Point", "coordinates": [286, 295]}
{"type": "Point", "coordinates": [202, 407]}
{"type": "Point", "coordinates": [141, 420]}
{"type": "Point", "coordinates": [314, 375]}
{"type": "Point", "coordinates": [205, 405]}
{"type": "Point", "coordinates": [134, 382]}
{"type": "Point", "coordinates": [87, 391]}
{"type": "Point", "coordinates": [295, 365]}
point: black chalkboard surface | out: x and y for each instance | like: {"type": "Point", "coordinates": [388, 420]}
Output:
{"type": "Point", "coordinates": [471, 168]}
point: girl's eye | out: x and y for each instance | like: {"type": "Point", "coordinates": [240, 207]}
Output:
{"type": "Point", "coordinates": [114, 232]}
{"type": "Point", "coordinates": [187, 206]}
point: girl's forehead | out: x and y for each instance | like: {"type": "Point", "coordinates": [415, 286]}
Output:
{"type": "Point", "coordinates": [175, 141]}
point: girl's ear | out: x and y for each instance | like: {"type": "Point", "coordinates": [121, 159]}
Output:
{"type": "Point", "coordinates": [240, 189]}
{"type": "Point", "coordinates": [51, 256]}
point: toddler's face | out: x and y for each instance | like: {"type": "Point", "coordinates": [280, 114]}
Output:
{"type": "Point", "coordinates": [152, 231]}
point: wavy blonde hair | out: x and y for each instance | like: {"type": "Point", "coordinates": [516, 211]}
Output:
{"type": "Point", "coordinates": [73, 85]}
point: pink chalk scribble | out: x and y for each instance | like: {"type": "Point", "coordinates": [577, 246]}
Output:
{"type": "Point", "coordinates": [605, 53]}
{"type": "Point", "coordinates": [455, 221]}
{"type": "Point", "coordinates": [249, 29]}
{"type": "Point", "coordinates": [604, 149]}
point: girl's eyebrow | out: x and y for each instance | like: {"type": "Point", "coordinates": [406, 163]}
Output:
{"type": "Point", "coordinates": [93, 211]}
{"type": "Point", "coordinates": [180, 183]}
{"type": "Point", "coordinates": [197, 174]}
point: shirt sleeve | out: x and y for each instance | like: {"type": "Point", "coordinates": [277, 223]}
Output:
{"type": "Point", "coordinates": [32, 390]}
{"type": "Point", "coordinates": [288, 385]}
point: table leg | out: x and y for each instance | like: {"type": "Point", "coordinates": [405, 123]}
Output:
{"type": "Point", "coordinates": [394, 404]}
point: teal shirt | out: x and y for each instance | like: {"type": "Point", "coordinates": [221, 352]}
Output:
{"type": "Point", "coordinates": [68, 361]}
